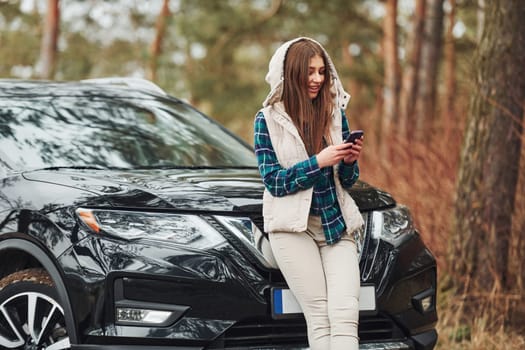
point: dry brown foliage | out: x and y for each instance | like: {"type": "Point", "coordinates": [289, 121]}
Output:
{"type": "Point", "coordinates": [422, 175]}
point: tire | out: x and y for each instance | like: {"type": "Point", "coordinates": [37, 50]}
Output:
{"type": "Point", "coordinates": [30, 315]}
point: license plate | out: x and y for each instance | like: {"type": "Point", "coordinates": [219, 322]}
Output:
{"type": "Point", "coordinates": [284, 303]}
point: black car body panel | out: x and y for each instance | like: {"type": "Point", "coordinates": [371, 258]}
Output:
{"type": "Point", "coordinates": [217, 295]}
{"type": "Point", "coordinates": [207, 190]}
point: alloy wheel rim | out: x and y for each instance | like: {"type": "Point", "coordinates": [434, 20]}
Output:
{"type": "Point", "coordinates": [32, 321]}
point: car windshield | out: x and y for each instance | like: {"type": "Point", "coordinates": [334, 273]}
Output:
{"type": "Point", "coordinates": [94, 131]}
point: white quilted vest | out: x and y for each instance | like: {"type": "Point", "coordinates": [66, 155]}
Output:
{"type": "Point", "coordinates": [290, 213]}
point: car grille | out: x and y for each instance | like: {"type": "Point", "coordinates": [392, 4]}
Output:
{"type": "Point", "coordinates": [379, 328]}
{"type": "Point", "coordinates": [362, 239]}
{"type": "Point", "coordinates": [258, 220]}
{"type": "Point", "coordinates": [287, 332]}
{"type": "Point", "coordinates": [265, 333]}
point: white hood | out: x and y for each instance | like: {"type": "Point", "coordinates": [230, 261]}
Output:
{"type": "Point", "coordinates": [275, 76]}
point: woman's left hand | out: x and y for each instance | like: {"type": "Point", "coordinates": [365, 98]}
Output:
{"type": "Point", "coordinates": [355, 152]}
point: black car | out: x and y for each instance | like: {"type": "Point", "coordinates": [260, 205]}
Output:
{"type": "Point", "coordinates": [130, 220]}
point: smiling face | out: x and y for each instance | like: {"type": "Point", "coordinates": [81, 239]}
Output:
{"type": "Point", "coordinates": [316, 76]}
{"type": "Point", "coordinates": [306, 95]}
{"type": "Point", "coordinates": [305, 73]}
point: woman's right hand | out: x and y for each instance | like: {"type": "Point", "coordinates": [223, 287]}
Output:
{"type": "Point", "coordinates": [333, 154]}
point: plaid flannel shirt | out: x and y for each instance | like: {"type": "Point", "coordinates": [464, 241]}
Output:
{"type": "Point", "coordinates": [303, 175]}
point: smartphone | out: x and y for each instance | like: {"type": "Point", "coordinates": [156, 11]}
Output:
{"type": "Point", "coordinates": [354, 135]}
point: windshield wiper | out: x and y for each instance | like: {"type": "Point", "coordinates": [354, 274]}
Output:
{"type": "Point", "coordinates": [80, 167]}
{"type": "Point", "coordinates": [146, 167]}
{"type": "Point", "coordinates": [192, 167]}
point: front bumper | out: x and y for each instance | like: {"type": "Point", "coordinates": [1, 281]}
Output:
{"type": "Point", "coordinates": [423, 341]}
{"type": "Point", "coordinates": [211, 284]}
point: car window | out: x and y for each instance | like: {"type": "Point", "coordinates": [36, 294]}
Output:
{"type": "Point", "coordinates": [97, 131]}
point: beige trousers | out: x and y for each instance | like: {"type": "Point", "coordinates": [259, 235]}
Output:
{"type": "Point", "coordinates": [325, 281]}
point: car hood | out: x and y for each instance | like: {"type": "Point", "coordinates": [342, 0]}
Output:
{"type": "Point", "coordinates": [217, 190]}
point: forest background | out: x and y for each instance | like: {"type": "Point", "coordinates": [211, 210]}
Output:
{"type": "Point", "coordinates": [438, 86]}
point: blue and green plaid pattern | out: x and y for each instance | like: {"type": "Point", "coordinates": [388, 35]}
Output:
{"type": "Point", "coordinates": [283, 181]}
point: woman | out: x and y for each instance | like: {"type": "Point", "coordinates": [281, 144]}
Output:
{"type": "Point", "coordinates": [306, 166]}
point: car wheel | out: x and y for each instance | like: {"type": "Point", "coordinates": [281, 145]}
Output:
{"type": "Point", "coordinates": [30, 315]}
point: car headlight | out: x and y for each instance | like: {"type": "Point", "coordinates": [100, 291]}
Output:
{"type": "Point", "coordinates": [183, 229]}
{"type": "Point", "coordinates": [392, 225]}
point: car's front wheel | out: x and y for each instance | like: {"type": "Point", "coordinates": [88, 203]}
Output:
{"type": "Point", "coordinates": [30, 315]}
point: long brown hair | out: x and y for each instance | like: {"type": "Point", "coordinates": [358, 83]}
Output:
{"type": "Point", "coordinates": [311, 117]}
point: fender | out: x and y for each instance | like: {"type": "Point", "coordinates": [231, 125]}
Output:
{"type": "Point", "coordinates": [48, 264]}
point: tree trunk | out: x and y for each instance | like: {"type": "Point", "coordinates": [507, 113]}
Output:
{"type": "Point", "coordinates": [48, 50]}
{"type": "Point", "coordinates": [427, 74]}
{"type": "Point", "coordinates": [490, 156]}
{"type": "Point", "coordinates": [481, 19]}
{"type": "Point", "coordinates": [156, 46]}
{"type": "Point", "coordinates": [449, 113]}
{"type": "Point", "coordinates": [517, 243]}
{"type": "Point", "coordinates": [409, 84]}
{"type": "Point", "coordinates": [391, 64]}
